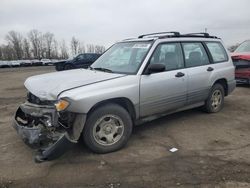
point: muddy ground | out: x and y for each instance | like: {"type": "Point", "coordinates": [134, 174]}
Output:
{"type": "Point", "coordinates": [214, 149]}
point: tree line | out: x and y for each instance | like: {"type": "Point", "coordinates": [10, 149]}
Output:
{"type": "Point", "coordinates": [38, 45]}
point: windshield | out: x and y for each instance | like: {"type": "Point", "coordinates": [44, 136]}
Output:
{"type": "Point", "coordinates": [124, 57]}
{"type": "Point", "coordinates": [244, 47]}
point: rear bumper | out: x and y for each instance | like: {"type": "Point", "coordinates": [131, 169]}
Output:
{"type": "Point", "coordinates": [37, 126]}
{"type": "Point", "coordinates": [231, 86]}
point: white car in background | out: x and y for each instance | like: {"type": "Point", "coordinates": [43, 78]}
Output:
{"type": "Point", "coordinates": [4, 64]}
{"type": "Point", "coordinates": [15, 63]}
{"type": "Point", "coordinates": [46, 62]}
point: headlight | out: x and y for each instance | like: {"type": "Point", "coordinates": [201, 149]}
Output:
{"type": "Point", "coordinates": [61, 105]}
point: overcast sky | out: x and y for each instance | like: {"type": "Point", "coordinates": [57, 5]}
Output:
{"type": "Point", "coordinates": [107, 21]}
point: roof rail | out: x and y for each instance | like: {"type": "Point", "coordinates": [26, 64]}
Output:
{"type": "Point", "coordinates": [175, 33]}
{"type": "Point", "coordinates": [206, 35]}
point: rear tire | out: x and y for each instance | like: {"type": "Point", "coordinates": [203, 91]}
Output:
{"type": "Point", "coordinates": [107, 129]}
{"type": "Point", "coordinates": [59, 67]}
{"type": "Point", "coordinates": [215, 100]}
{"type": "Point", "coordinates": [68, 67]}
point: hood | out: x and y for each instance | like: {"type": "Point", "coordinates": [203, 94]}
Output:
{"type": "Point", "coordinates": [242, 56]}
{"type": "Point", "coordinates": [49, 86]}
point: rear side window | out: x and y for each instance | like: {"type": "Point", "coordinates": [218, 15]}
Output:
{"type": "Point", "coordinates": [217, 51]}
{"type": "Point", "coordinates": [80, 57]}
{"type": "Point", "coordinates": [195, 54]}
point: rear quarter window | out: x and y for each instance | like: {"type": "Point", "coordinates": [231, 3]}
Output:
{"type": "Point", "coordinates": [217, 52]}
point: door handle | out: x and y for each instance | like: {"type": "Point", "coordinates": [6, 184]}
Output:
{"type": "Point", "coordinates": [209, 69]}
{"type": "Point", "coordinates": [179, 74]}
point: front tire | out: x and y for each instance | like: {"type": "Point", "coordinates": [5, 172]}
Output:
{"type": "Point", "coordinates": [107, 129]}
{"type": "Point", "coordinates": [215, 100]}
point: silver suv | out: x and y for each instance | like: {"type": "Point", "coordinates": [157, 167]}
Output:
{"type": "Point", "coordinates": [133, 81]}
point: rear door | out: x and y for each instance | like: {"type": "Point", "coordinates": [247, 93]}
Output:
{"type": "Point", "coordinates": [164, 91]}
{"type": "Point", "coordinates": [198, 69]}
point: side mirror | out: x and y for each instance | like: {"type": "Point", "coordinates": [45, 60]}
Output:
{"type": "Point", "coordinates": [155, 67]}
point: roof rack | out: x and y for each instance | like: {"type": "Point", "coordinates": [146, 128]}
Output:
{"type": "Point", "coordinates": [204, 34]}
{"type": "Point", "coordinates": [175, 33]}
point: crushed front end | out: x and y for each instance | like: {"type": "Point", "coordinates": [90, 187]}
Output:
{"type": "Point", "coordinates": [45, 129]}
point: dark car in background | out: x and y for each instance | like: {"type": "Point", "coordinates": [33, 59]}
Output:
{"type": "Point", "coordinates": [241, 59]}
{"type": "Point", "coordinates": [80, 61]}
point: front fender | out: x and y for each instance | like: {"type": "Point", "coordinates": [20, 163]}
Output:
{"type": "Point", "coordinates": [82, 99]}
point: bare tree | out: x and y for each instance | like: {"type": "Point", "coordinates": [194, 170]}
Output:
{"type": "Point", "coordinates": [99, 49]}
{"type": "Point", "coordinates": [48, 39]}
{"type": "Point", "coordinates": [63, 50]}
{"type": "Point", "coordinates": [81, 48]}
{"type": "Point", "coordinates": [8, 52]}
{"type": "Point", "coordinates": [1, 52]}
{"type": "Point", "coordinates": [54, 53]}
{"type": "Point", "coordinates": [15, 41]}
{"type": "Point", "coordinates": [26, 49]}
{"type": "Point", "coordinates": [75, 45]}
{"type": "Point", "coordinates": [35, 38]}
{"type": "Point", "coordinates": [90, 48]}
{"type": "Point", "coordinates": [38, 45]}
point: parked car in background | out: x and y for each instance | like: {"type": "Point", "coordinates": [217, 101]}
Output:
{"type": "Point", "coordinates": [36, 62]}
{"type": "Point", "coordinates": [59, 65]}
{"type": "Point", "coordinates": [15, 63]}
{"type": "Point", "coordinates": [134, 81]}
{"type": "Point", "coordinates": [46, 62]}
{"type": "Point", "coordinates": [5, 64]}
{"type": "Point", "coordinates": [80, 61]}
{"type": "Point", "coordinates": [25, 62]}
{"type": "Point", "coordinates": [241, 60]}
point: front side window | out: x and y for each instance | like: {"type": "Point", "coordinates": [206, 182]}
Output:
{"type": "Point", "coordinates": [169, 54]}
{"type": "Point", "coordinates": [124, 57]}
{"type": "Point", "coordinates": [195, 54]}
{"type": "Point", "coordinates": [217, 51]}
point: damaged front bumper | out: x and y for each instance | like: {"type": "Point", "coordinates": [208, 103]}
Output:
{"type": "Point", "coordinates": [40, 128]}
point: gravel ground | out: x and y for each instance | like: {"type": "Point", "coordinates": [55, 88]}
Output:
{"type": "Point", "coordinates": [214, 149]}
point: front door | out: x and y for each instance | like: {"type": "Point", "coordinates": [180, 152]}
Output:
{"type": "Point", "coordinates": [164, 91]}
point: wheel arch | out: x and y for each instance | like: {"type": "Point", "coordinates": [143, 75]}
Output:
{"type": "Point", "coordinates": [223, 82]}
{"type": "Point", "coordinates": [122, 101]}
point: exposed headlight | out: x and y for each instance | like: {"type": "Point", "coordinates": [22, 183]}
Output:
{"type": "Point", "coordinates": [61, 105]}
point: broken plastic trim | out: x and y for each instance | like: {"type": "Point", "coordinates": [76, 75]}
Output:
{"type": "Point", "coordinates": [55, 150]}
{"type": "Point", "coordinates": [33, 135]}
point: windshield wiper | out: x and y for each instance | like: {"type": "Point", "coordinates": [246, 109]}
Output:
{"type": "Point", "coordinates": [101, 69]}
